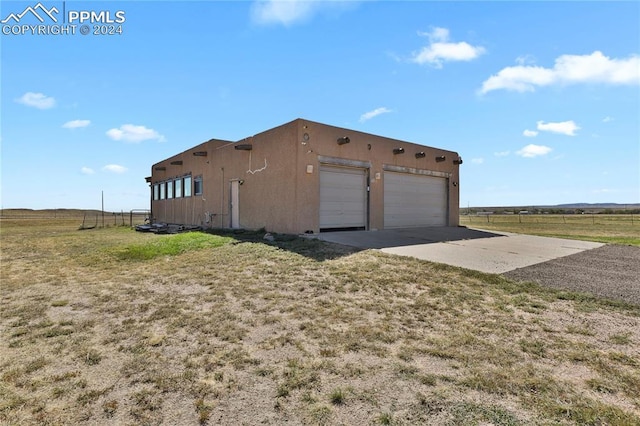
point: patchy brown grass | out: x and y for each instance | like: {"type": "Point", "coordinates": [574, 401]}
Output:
{"type": "Point", "coordinates": [236, 330]}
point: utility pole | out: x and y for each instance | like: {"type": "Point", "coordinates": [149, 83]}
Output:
{"type": "Point", "coordinates": [102, 192]}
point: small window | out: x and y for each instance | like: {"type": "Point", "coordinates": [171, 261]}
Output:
{"type": "Point", "coordinates": [197, 185]}
{"type": "Point", "coordinates": [162, 191]}
{"type": "Point", "coordinates": [156, 191]}
{"type": "Point", "coordinates": [177, 188]}
{"type": "Point", "coordinates": [187, 186]}
{"type": "Point", "coordinates": [170, 189]}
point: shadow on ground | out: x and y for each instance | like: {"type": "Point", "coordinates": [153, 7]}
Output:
{"type": "Point", "coordinates": [311, 248]}
{"type": "Point", "coordinates": [332, 245]}
{"type": "Point", "coordinates": [403, 237]}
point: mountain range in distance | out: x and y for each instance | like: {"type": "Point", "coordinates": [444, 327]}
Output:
{"type": "Point", "coordinates": [582, 206]}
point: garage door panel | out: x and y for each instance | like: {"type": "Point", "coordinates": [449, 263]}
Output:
{"type": "Point", "coordinates": [412, 200]}
{"type": "Point", "coordinates": [343, 197]}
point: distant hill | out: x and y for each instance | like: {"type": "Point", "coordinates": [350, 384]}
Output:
{"type": "Point", "coordinates": [597, 206]}
{"type": "Point", "coordinates": [569, 206]}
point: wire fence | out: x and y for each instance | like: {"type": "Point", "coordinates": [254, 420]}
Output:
{"type": "Point", "coordinates": [86, 219]}
{"type": "Point", "coordinates": [568, 219]}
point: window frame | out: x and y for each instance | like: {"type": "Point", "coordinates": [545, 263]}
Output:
{"type": "Point", "coordinates": [169, 189]}
{"type": "Point", "coordinates": [177, 188]}
{"type": "Point", "coordinates": [188, 190]}
{"type": "Point", "coordinates": [198, 180]}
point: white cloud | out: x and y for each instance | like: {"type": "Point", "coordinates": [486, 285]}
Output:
{"type": "Point", "coordinates": [568, 69]}
{"type": "Point", "coordinates": [289, 12]}
{"type": "Point", "coordinates": [530, 133]}
{"type": "Point", "coordinates": [369, 115]}
{"type": "Point", "coordinates": [114, 168]}
{"type": "Point", "coordinates": [74, 124]}
{"type": "Point", "coordinates": [607, 119]}
{"type": "Point", "coordinates": [440, 49]}
{"type": "Point", "coordinates": [87, 171]}
{"type": "Point", "coordinates": [477, 160]}
{"type": "Point", "coordinates": [564, 128]}
{"type": "Point", "coordinates": [519, 79]}
{"type": "Point", "coordinates": [525, 59]}
{"type": "Point", "coordinates": [37, 100]}
{"type": "Point", "coordinates": [531, 151]}
{"type": "Point", "coordinates": [134, 134]}
{"type": "Point", "coordinates": [502, 153]}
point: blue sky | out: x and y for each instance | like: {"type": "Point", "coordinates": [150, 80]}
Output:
{"type": "Point", "coordinates": [541, 99]}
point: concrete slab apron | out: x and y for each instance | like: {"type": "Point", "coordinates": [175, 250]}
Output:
{"type": "Point", "coordinates": [495, 255]}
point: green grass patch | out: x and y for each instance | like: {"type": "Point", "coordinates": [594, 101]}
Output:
{"type": "Point", "coordinates": [469, 413]}
{"type": "Point", "coordinates": [337, 396]}
{"type": "Point", "coordinates": [621, 338]}
{"type": "Point", "coordinates": [626, 241]}
{"type": "Point", "coordinates": [169, 245]}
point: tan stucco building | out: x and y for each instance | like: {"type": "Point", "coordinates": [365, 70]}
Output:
{"type": "Point", "coordinates": [307, 177]}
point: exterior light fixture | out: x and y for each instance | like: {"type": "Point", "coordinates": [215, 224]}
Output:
{"type": "Point", "coordinates": [244, 147]}
{"type": "Point", "coordinates": [440, 158]}
{"type": "Point", "coordinates": [176, 163]}
{"type": "Point", "coordinates": [421, 154]}
{"type": "Point", "coordinates": [200, 153]}
{"type": "Point", "coordinates": [457, 161]}
{"type": "Point", "coordinates": [397, 151]}
{"type": "Point", "coordinates": [343, 140]}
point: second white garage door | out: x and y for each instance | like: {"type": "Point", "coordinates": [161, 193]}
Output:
{"type": "Point", "coordinates": [343, 198]}
{"type": "Point", "coordinates": [412, 200]}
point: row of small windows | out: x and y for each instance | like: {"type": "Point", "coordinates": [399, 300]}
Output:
{"type": "Point", "coordinates": [177, 188]}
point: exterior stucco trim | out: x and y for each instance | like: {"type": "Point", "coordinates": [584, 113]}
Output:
{"type": "Point", "coordinates": [344, 162]}
{"type": "Point", "coordinates": [400, 169]}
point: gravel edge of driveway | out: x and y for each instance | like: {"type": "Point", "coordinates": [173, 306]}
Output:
{"type": "Point", "coordinates": [610, 271]}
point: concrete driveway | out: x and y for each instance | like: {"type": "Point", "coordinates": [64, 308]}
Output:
{"type": "Point", "coordinates": [492, 252]}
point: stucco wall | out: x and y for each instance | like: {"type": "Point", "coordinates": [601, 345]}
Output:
{"type": "Point", "coordinates": [267, 195]}
{"type": "Point", "coordinates": [363, 147]}
{"type": "Point", "coordinates": [277, 192]}
{"type": "Point", "coordinates": [189, 210]}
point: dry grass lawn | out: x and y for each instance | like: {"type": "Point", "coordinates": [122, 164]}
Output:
{"type": "Point", "coordinates": [604, 228]}
{"type": "Point", "coordinates": [110, 326]}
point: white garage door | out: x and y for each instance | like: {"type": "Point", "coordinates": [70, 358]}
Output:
{"type": "Point", "coordinates": [343, 197]}
{"type": "Point", "coordinates": [414, 200]}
